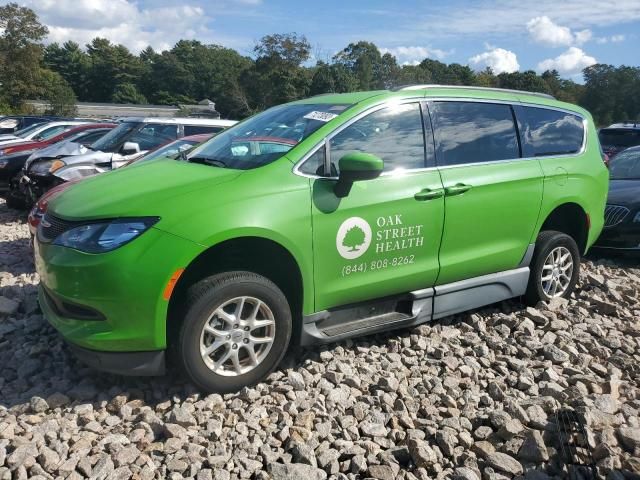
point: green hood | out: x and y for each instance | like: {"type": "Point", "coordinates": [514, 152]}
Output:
{"type": "Point", "coordinates": [146, 189]}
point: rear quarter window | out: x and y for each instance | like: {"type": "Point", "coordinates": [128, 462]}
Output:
{"type": "Point", "coordinates": [547, 132]}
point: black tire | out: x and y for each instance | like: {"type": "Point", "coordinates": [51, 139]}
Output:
{"type": "Point", "coordinates": [202, 300]}
{"type": "Point", "coordinates": [546, 242]}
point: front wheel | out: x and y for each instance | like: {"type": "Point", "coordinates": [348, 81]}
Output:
{"type": "Point", "coordinates": [555, 267]}
{"type": "Point", "coordinates": [235, 332]}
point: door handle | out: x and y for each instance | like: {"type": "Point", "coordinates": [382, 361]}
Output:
{"type": "Point", "coordinates": [457, 189]}
{"type": "Point", "coordinates": [428, 194]}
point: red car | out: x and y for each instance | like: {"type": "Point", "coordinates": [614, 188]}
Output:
{"type": "Point", "coordinates": [33, 145]}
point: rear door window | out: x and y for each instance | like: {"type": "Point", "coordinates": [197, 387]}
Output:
{"type": "Point", "coordinates": [473, 132]}
{"type": "Point", "coordinates": [547, 132]}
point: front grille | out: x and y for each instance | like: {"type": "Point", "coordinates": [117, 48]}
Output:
{"type": "Point", "coordinates": [52, 227]}
{"type": "Point", "coordinates": [614, 214]}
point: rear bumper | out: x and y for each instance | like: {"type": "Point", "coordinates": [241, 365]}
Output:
{"type": "Point", "coordinates": [122, 363]}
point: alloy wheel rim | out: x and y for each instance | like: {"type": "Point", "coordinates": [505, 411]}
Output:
{"type": "Point", "coordinates": [237, 336]}
{"type": "Point", "coordinates": [557, 271]}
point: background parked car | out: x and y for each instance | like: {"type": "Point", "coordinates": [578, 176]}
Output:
{"type": "Point", "coordinates": [13, 123]}
{"type": "Point", "coordinates": [171, 150]}
{"type": "Point", "coordinates": [39, 132]}
{"type": "Point", "coordinates": [38, 144]}
{"type": "Point", "coordinates": [622, 214]}
{"type": "Point", "coordinates": [12, 164]}
{"type": "Point", "coordinates": [131, 139]}
{"type": "Point", "coordinates": [619, 136]}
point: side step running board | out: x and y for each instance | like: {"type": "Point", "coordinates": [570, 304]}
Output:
{"type": "Point", "coordinates": [413, 308]}
{"type": "Point", "coordinates": [364, 324]}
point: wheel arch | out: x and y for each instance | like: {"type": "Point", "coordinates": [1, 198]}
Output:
{"type": "Point", "coordinates": [569, 218]}
{"type": "Point", "coordinates": [260, 255]}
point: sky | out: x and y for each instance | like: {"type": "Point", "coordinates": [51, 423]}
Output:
{"type": "Point", "coordinates": [506, 35]}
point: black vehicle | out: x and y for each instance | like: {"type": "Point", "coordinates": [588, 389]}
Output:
{"type": "Point", "coordinates": [619, 136]}
{"type": "Point", "coordinates": [13, 123]}
{"type": "Point", "coordinates": [622, 214]}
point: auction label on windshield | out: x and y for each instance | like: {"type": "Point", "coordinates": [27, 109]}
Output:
{"type": "Point", "coordinates": [320, 116]}
{"type": "Point", "coordinates": [390, 235]}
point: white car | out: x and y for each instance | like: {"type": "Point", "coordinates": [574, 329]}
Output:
{"type": "Point", "coordinates": [40, 131]}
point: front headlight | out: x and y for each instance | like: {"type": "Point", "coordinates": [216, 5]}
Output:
{"type": "Point", "coordinates": [46, 167]}
{"type": "Point", "coordinates": [104, 236]}
{"type": "Point", "coordinates": [637, 217]}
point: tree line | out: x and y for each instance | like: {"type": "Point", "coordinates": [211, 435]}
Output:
{"type": "Point", "coordinates": [280, 70]}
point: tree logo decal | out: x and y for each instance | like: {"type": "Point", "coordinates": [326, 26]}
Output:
{"type": "Point", "coordinates": [353, 238]}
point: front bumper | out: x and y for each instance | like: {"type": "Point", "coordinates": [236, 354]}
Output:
{"type": "Point", "coordinates": [125, 286]}
{"type": "Point", "coordinates": [624, 236]}
{"type": "Point", "coordinates": [122, 363]}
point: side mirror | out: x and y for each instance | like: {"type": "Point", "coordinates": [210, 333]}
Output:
{"type": "Point", "coordinates": [354, 167]}
{"type": "Point", "coordinates": [129, 148]}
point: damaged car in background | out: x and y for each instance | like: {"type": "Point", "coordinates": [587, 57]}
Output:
{"type": "Point", "coordinates": [130, 140]}
{"type": "Point", "coordinates": [176, 150]}
{"type": "Point", "coordinates": [14, 157]}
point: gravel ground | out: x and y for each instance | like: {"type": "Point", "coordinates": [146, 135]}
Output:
{"type": "Point", "coordinates": [473, 396]}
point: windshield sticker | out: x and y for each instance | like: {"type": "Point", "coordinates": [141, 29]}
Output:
{"type": "Point", "coordinates": [320, 116]}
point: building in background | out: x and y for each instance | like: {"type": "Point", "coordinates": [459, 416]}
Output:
{"type": "Point", "coordinates": [204, 109]}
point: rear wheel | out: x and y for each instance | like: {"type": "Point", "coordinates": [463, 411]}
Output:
{"type": "Point", "coordinates": [555, 267]}
{"type": "Point", "coordinates": [235, 332]}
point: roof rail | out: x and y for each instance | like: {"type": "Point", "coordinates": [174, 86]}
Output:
{"type": "Point", "coordinates": [470, 87]}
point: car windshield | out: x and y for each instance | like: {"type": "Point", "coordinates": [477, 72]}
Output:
{"type": "Point", "coordinates": [112, 140]}
{"type": "Point", "coordinates": [26, 131]}
{"type": "Point", "coordinates": [619, 137]}
{"type": "Point", "coordinates": [626, 166]}
{"type": "Point", "coordinates": [265, 137]}
{"type": "Point", "coordinates": [146, 136]}
{"type": "Point", "coordinates": [171, 150]}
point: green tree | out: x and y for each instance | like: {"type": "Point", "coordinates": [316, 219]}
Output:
{"type": "Point", "coordinates": [20, 54]}
{"type": "Point", "coordinates": [334, 78]}
{"type": "Point", "coordinates": [364, 61]}
{"type": "Point", "coordinates": [353, 238]}
{"type": "Point", "coordinates": [110, 65]}
{"type": "Point", "coordinates": [61, 98]}
{"type": "Point", "coordinates": [70, 61]}
{"type": "Point", "coordinates": [277, 76]}
{"type": "Point", "coordinates": [127, 93]}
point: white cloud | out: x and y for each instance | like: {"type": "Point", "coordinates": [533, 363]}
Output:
{"type": "Point", "coordinates": [126, 22]}
{"type": "Point", "coordinates": [414, 55]}
{"type": "Point", "coordinates": [498, 59]}
{"type": "Point", "coordinates": [544, 31]}
{"type": "Point", "coordinates": [571, 62]}
{"type": "Point", "coordinates": [612, 39]}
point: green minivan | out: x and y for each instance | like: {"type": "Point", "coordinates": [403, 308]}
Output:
{"type": "Point", "coordinates": [318, 220]}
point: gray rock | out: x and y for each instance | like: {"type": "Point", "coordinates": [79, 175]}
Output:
{"type": "Point", "coordinates": [295, 471]}
{"type": "Point", "coordinates": [504, 463]}
{"type": "Point", "coordinates": [533, 448]}
{"type": "Point", "coordinates": [182, 417]}
{"type": "Point", "coordinates": [296, 380]}
{"type": "Point", "coordinates": [371, 429]}
{"type": "Point", "coordinates": [630, 437]}
{"type": "Point", "coordinates": [464, 473]}
{"type": "Point", "coordinates": [8, 306]}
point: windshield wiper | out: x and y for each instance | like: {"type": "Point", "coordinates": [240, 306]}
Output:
{"type": "Point", "coordinates": [207, 161]}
